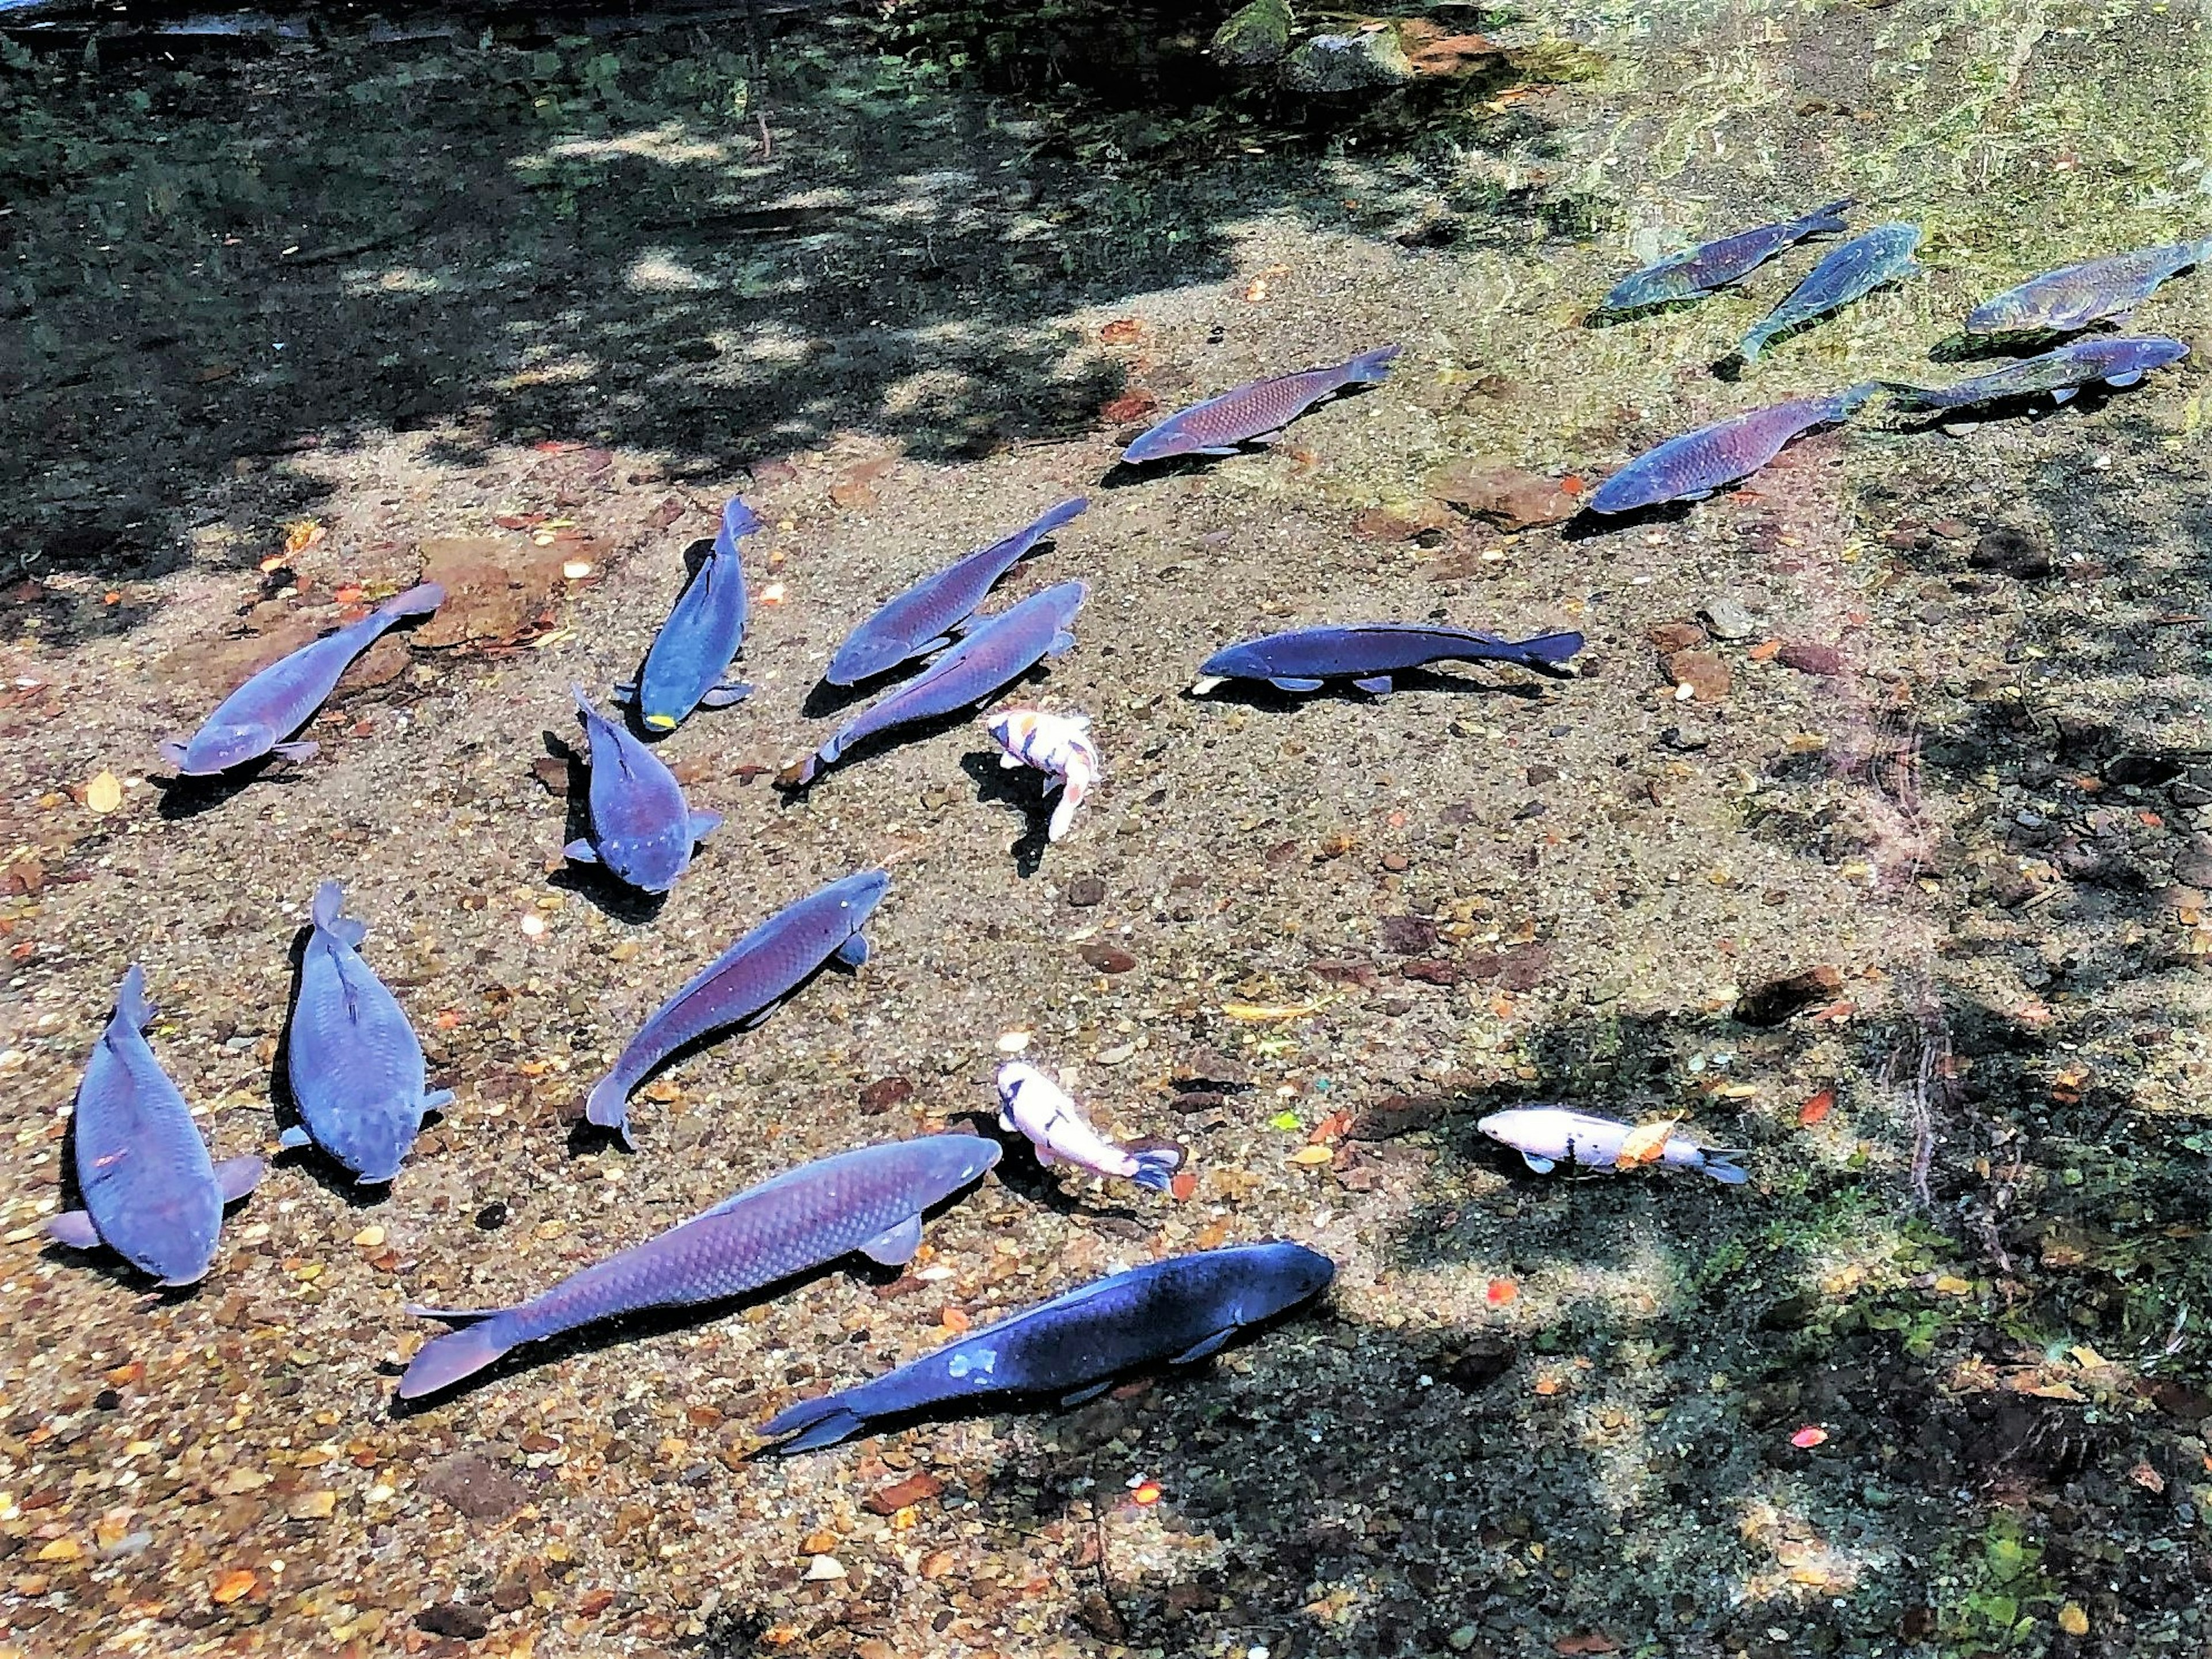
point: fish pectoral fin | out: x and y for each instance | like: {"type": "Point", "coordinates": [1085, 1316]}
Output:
{"type": "Point", "coordinates": [1082, 1395]}
{"type": "Point", "coordinates": [234, 1177]}
{"type": "Point", "coordinates": [1694, 495]}
{"type": "Point", "coordinates": [704, 824]}
{"type": "Point", "coordinates": [74, 1228]}
{"type": "Point", "coordinates": [296, 752]}
{"type": "Point", "coordinates": [722, 695]}
{"type": "Point", "coordinates": [928, 646]}
{"type": "Point", "coordinates": [1540, 1166]}
{"type": "Point", "coordinates": [622, 692]}
{"type": "Point", "coordinates": [2128, 379]}
{"type": "Point", "coordinates": [438, 1101]}
{"type": "Point", "coordinates": [172, 751]}
{"type": "Point", "coordinates": [755, 1019]}
{"type": "Point", "coordinates": [1376, 685]}
{"type": "Point", "coordinates": [294, 1137]}
{"type": "Point", "coordinates": [1062, 643]}
{"type": "Point", "coordinates": [853, 952]}
{"type": "Point", "coordinates": [895, 1248]}
{"type": "Point", "coordinates": [2062, 393]}
{"type": "Point", "coordinates": [1199, 1349]}
{"type": "Point", "coordinates": [1293, 683]}
{"type": "Point", "coordinates": [579, 851]}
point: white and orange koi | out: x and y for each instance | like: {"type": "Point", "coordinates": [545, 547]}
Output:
{"type": "Point", "coordinates": [1058, 745]}
{"type": "Point", "coordinates": [1039, 1107]}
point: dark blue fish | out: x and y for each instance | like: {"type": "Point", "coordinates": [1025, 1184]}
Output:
{"type": "Point", "coordinates": [927, 616]}
{"type": "Point", "coordinates": [687, 665]}
{"type": "Point", "coordinates": [254, 720]}
{"type": "Point", "coordinates": [1259, 409]}
{"type": "Point", "coordinates": [1077, 1345]}
{"type": "Point", "coordinates": [1001, 648]}
{"type": "Point", "coordinates": [870, 1200]}
{"type": "Point", "coordinates": [641, 831]}
{"type": "Point", "coordinates": [2117, 359]}
{"type": "Point", "coordinates": [151, 1192]}
{"type": "Point", "coordinates": [1691, 467]}
{"type": "Point", "coordinates": [355, 1064]}
{"type": "Point", "coordinates": [1369, 652]}
{"type": "Point", "coordinates": [2078, 296]}
{"type": "Point", "coordinates": [742, 987]}
{"type": "Point", "coordinates": [1700, 269]}
{"type": "Point", "coordinates": [1861, 265]}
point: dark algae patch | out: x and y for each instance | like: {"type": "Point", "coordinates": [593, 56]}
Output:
{"type": "Point", "coordinates": [1870, 835]}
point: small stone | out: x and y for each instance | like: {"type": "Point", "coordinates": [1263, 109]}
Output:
{"type": "Point", "coordinates": [1706, 674]}
{"type": "Point", "coordinates": [1778, 999]}
{"type": "Point", "coordinates": [1504, 495]}
{"type": "Point", "coordinates": [823, 1569]}
{"type": "Point", "coordinates": [1108, 959]}
{"type": "Point", "coordinates": [1670, 637]}
{"type": "Point", "coordinates": [1407, 936]}
{"type": "Point", "coordinates": [1332, 63]}
{"type": "Point", "coordinates": [454, 1618]}
{"type": "Point", "coordinates": [1729, 621]}
{"type": "Point", "coordinates": [1686, 737]}
{"type": "Point", "coordinates": [479, 1488]}
{"type": "Point", "coordinates": [1808, 658]}
{"type": "Point", "coordinates": [1434, 971]}
{"type": "Point", "coordinates": [2012, 553]}
{"type": "Point", "coordinates": [1521, 969]}
{"type": "Point", "coordinates": [915, 1489]}
{"type": "Point", "coordinates": [2192, 866]}
{"type": "Point", "coordinates": [1254, 36]}
{"type": "Point", "coordinates": [1952, 530]}
{"type": "Point", "coordinates": [1394, 863]}
{"type": "Point", "coordinates": [1209, 1068]}
{"type": "Point", "coordinates": [492, 1217]}
{"type": "Point", "coordinates": [1086, 890]}
{"type": "Point", "coordinates": [885, 1093]}
{"type": "Point", "coordinates": [551, 773]}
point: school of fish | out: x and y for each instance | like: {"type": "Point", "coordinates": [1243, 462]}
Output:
{"type": "Point", "coordinates": [355, 1079]}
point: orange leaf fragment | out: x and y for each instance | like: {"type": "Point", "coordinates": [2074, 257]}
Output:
{"type": "Point", "coordinates": [1146, 1495]}
{"type": "Point", "coordinates": [1210, 1235]}
{"type": "Point", "coordinates": [1499, 1291]}
{"type": "Point", "coordinates": [1330, 1128]}
{"type": "Point", "coordinates": [953, 1321]}
{"type": "Point", "coordinates": [232, 1585]}
{"type": "Point", "coordinates": [1586, 1642]}
{"type": "Point", "coordinates": [1122, 331]}
{"type": "Point", "coordinates": [1810, 1435]}
{"type": "Point", "coordinates": [1184, 1183]}
{"type": "Point", "coordinates": [2147, 1478]}
{"type": "Point", "coordinates": [446, 1020]}
{"type": "Point", "coordinates": [1131, 406]}
{"type": "Point", "coordinates": [1764, 649]}
{"type": "Point", "coordinates": [1645, 1143]}
{"type": "Point", "coordinates": [1548, 1386]}
{"type": "Point", "coordinates": [1817, 1107]}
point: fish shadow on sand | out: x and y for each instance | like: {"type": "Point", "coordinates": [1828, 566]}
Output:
{"type": "Point", "coordinates": [1964, 347]}
{"type": "Point", "coordinates": [186, 798]}
{"type": "Point", "coordinates": [1600, 316]}
{"type": "Point", "coordinates": [1262, 696]}
{"type": "Point", "coordinates": [1021, 788]}
{"type": "Point", "coordinates": [908, 731]}
{"type": "Point", "coordinates": [2029, 406]}
{"type": "Point", "coordinates": [1586, 525]}
{"type": "Point", "coordinates": [823, 699]}
{"type": "Point", "coordinates": [646, 1322]}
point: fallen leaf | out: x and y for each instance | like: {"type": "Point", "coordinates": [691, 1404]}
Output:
{"type": "Point", "coordinates": [1645, 1143]}
{"type": "Point", "coordinates": [1499, 1291]}
{"type": "Point", "coordinates": [301, 534]}
{"type": "Point", "coordinates": [1183, 1184]}
{"type": "Point", "coordinates": [2147, 1478]}
{"type": "Point", "coordinates": [1146, 1494]}
{"type": "Point", "coordinates": [232, 1585]}
{"type": "Point", "coordinates": [1810, 1436]}
{"type": "Point", "coordinates": [2056, 1391]}
{"type": "Point", "coordinates": [1311, 1155]}
{"type": "Point", "coordinates": [1254, 1013]}
{"type": "Point", "coordinates": [1764, 650]}
{"type": "Point", "coordinates": [1817, 1107]}
{"type": "Point", "coordinates": [1210, 1235]}
{"type": "Point", "coordinates": [1586, 1642]}
{"type": "Point", "coordinates": [1951, 1285]}
{"type": "Point", "coordinates": [2073, 1621]}
{"type": "Point", "coordinates": [1130, 406]}
{"type": "Point", "coordinates": [2087, 1357]}
{"type": "Point", "coordinates": [104, 794]}
{"type": "Point", "coordinates": [953, 1321]}
{"type": "Point", "coordinates": [1330, 1128]}
{"type": "Point", "coordinates": [1121, 330]}
{"type": "Point", "coordinates": [2066, 1087]}
{"type": "Point", "coordinates": [1547, 1386]}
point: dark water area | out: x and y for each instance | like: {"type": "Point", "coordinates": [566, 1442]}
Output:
{"type": "Point", "coordinates": [1869, 834]}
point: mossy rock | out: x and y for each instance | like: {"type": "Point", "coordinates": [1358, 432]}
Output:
{"type": "Point", "coordinates": [1327, 65]}
{"type": "Point", "coordinates": [1254, 36]}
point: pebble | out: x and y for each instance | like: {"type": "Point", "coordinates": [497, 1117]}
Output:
{"type": "Point", "coordinates": [885, 1093]}
{"type": "Point", "coordinates": [1705, 674]}
{"type": "Point", "coordinates": [454, 1618]}
{"type": "Point", "coordinates": [1807, 657]}
{"type": "Point", "coordinates": [1086, 890]}
{"type": "Point", "coordinates": [823, 1569]}
{"type": "Point", "coordinates": [1108, 959]}
{"type": "Point", "coordinates": [1729, 621]}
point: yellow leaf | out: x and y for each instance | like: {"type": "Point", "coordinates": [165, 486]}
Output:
{"type": "Point", "coordinates": [103, 793]}
{"type": "Point", "coordinates": [2088, 1357]}
{"type": "Point", "coordinates": [1259, 1012]}
{"type": "Point", "coordinates": [232, 1585]}
{"type": "Point", "coordinates": [1310, 1155]}
{"type": "Point", "coordinates": [1950, 1284]}
{"type": "Point", "coordinates": [2056, 1391]}
{"type": "Point", "coordinates": [301, 534]}
{"type": "Point", "coordinates": [63, 1548]}
{"type": "Point", "coordinates": [1645, 1143]}
{"type": "Point", "coordinates": [2073, 1621]}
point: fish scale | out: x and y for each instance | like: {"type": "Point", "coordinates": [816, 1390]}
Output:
{"type": "Point", "coordinates": [869, 1198]}
{"type": "Point", "coordinates": [1177, 1311]}
{"type": "Point", "coordinates": [742, 985]}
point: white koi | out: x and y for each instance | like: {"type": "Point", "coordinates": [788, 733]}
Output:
{"type": "Point", "coordinates": [1033, 1104]}
{"type": "Point", "coordinates": [1058, 745]}
{"type": "Point", "coordinates": [1548, 1136]}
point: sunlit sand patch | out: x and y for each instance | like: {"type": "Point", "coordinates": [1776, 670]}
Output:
{"type": "Point", "coordinates": [672, 144]}
{"type": "Point", "coordinates": [657, 271]}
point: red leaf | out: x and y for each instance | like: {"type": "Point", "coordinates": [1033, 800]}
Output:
{"type": "Point", "coordinates": [1808, 1436]}
{"type": "Point", "coordinates": [1817, 1107]}
{"type": "Point", "coordinates": [1586, 1642]}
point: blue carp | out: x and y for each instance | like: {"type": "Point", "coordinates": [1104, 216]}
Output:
{"type": "Point", "coordinates": [1259, 409]}
{"type": "Point", "coordinates": [1369, 653]}
{"type": "Point", "coordinates": [1691, 467]}
{"type": "Point", "coordinates": [2096, 290]}
{"type": "Point", "coordinates": [1861, 265]}
{"type": "Point", "coordinates": [2116, 360]}
{"type": "Point", "coordinates": [1696, 271]}
{"type": "Point", "coordinates": [641, 831]}
{"type": "Point", "coordinates": [688, 664]}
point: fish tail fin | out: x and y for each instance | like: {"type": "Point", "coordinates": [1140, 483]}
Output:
{"type": "Point", "coordinates": [584, 709]}
{"type": "Point", "coordinates": [445, 1360]}
{"type": "Point", "coordinates": [608, 1106]}
{"type": "Point", "coordinates": [1063, 812]}
{"type": "Point", "coordinates": [1721, 1164]}
{"type": "Point", "coordinates": [738, 519]}
{"type": "Point", "coordinates": [1157, 1160]}
{"type": "Point", "coordinates": [1852, 398]}
{"type": "Point", "coordinates": [816, 1423]}
{"type": "Point", "coordinates": [1372, 366]}
{"type": "Point", "coordinates": [130, 1004]}
{"type": "Point", "coordinates": [329, 913]}
{"type": "Point", "coordinates": [1551, 649]}
{"type": "Point", "coordinates": [1072, 508]}
{"type": "Point", "coordinates": [1829, 218]}
{"type": "Point", "coordinates": [419, 600]}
